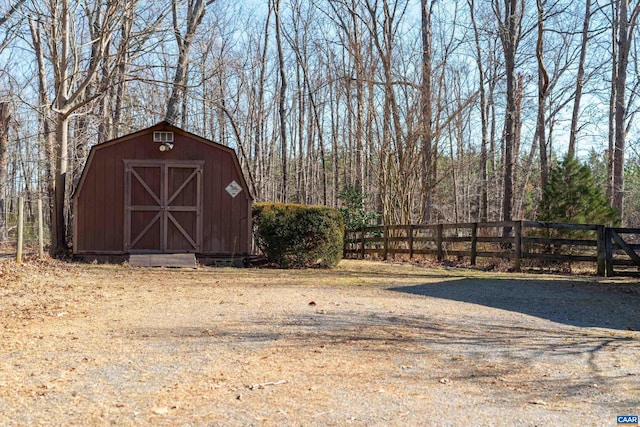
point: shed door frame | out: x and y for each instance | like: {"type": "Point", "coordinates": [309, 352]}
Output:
{"type": "Point", "coordinates": [163, 205]}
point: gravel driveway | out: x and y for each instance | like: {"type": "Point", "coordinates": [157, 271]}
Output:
{"type": "Point", "coordinates": [365, 344]}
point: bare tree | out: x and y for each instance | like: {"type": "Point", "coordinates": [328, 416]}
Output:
{"type": "Point", "coordinates": [626, 23]}
{"type": "Point", "coordinates": [484, 120]}
{"type": "Point", "coordinates": [195, 12]}
{"type": "Point", "coordinates": [428, 175]}
{"type": "Point", "coordinates": [259, 128]}
{"type": "Point", "coordinates": [580, 80]}
{"type": "Point", "coordinates": [70, 85]}
{"type": "Point", "coordinates": [382, 26]}
{"type": "Point", "coordinates": [347, 15]}
{"type": "Point", "coordinates": [509, 15]}
{"type": "Point", "coordinates": [333, 94]}
{"type": "Point", "coordinates": [9, 30]}
{"type": "Point", "coordinates": [5, 117]}
{"type": "Point", "coordinates": [46, 131]}
{"type": "Point", "coordinates": [308, 91]}
{"type": "Point", "coordinates": [543, 91]}
{"type": "Point", "coordinates": [8, 34]}
{"type": "Point", "coordinates": [282, 102]}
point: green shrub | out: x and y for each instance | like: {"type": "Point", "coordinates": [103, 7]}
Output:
{"type": "Point", "coordinates": [298, 236]}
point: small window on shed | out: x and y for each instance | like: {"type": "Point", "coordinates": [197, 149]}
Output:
{"type": "Point", "coordinates": [161, 136]}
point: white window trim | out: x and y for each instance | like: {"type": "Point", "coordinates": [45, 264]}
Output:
{"type": "Point", "coordinates": [162, 136]}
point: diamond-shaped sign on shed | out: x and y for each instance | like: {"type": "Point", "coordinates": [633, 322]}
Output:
{"type": "Point", "coordinates": [233, 189]}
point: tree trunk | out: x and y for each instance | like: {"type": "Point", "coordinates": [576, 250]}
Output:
{"type": "Point", "coordinates": [359, 128]}
{"type": "Point", "coordinates": [259, 129]}
{"type": "Point", "coordinates": [5, 116]}
{"type": "Point", "coordinates": [612, 99]}
{"type": "Point", "coordinates": [510, 36]}
{"type": "Point", "coordinates": [44, 118]}
{"type": "Point", "coordinates": [626, 26]}
{"type": "Point", "coordinates": [571, 152]}
{"type": "Point", "coordinates": [195, 13]}
{"type": "Point", "coordinates": [543, 88]}
{"type": "Point", "coordinates": [482, 203]}
{"type": "Point", "coordinates": [302, 163]}
{"type": "Point", "coordinates": [59, 226]}
{"type": "Point", "coordinates": [120, 91]}
{"type": "Point", "coordinates": [427, 113]}
{"type": "Point", "coordinates": [282, 112]}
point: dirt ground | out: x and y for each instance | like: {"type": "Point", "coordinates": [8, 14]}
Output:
{"type": "Point", "coordinates": [370, 344]}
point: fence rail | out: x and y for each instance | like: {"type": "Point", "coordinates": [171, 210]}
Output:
{"type": "Point", "coordinates": [513, 240]}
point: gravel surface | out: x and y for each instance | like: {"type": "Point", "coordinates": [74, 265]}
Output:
{"type": "Point", "coordinates": [370, 344]}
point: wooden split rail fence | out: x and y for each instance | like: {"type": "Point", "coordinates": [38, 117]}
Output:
{"type": "Point", "coordinates": [614, 251]}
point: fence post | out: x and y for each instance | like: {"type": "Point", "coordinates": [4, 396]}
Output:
{"type": "Point", "coordinates": [20, 229]}
{"type": "Point", "coordinates": [410, 241]}
{"type": "Point", "coordinates": [440, 252]}
{"type": "Point", "coordinates": [40, 230]}
{"type": "Point", "coordinates": [609, 251]}
{"type": "Point", "coordinates": [602, 251]}
{"type": "Point", "coordinates": [385, 247]}
{"type": "Point", "coordinates": [362, 242]}
{"type": "Point", "coordinates": [517, 264]}
{"type": "Point", "coordinates": [344, 244]}
{"type": "Point", "coordinates": [474, 242]}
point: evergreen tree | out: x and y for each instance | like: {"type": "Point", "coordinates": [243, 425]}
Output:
{"type": "Point", "coordinates": [573, 196]}
{"type": "Point", "coordinates": [632, 192]}
{"type": "Point", "coordinates": [354, 211]}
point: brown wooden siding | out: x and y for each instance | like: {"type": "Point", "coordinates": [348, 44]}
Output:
{"type": "Point", "coordinates": [99, 201]}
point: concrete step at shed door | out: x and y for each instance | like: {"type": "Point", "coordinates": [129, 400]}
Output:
{"type": "Point", "coordinates": [163, 260]}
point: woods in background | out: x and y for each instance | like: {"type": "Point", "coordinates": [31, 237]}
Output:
{"type": "Point", "coordinates": [425, 110]}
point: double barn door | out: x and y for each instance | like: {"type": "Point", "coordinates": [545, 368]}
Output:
{"type": "Point", "coordinates": [163, 206]}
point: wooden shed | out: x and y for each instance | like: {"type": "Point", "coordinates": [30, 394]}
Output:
{"type": "Point", "coordinates": [162, 190]}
